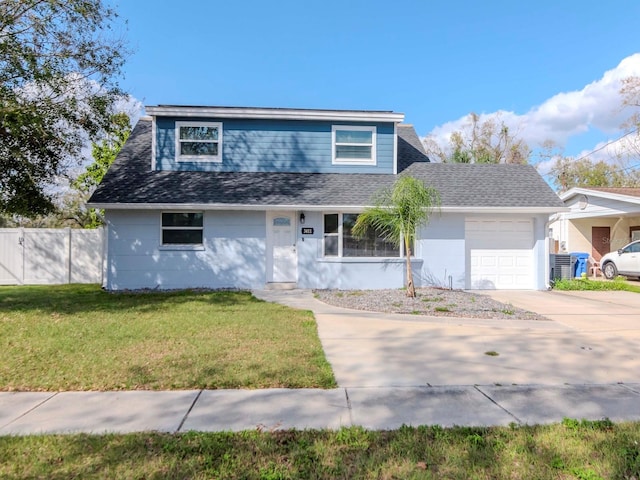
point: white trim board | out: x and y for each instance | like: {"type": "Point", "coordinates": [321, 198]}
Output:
{"type": "Point", "coordinates": [274, 113]}
{"type": "Point", "coordinates": [313, 208]}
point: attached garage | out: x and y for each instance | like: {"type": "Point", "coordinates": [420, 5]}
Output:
{"type": "Point", "coordinates": [499, 254]}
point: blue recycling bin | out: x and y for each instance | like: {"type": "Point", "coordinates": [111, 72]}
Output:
{"type": "Point", "coordinates": [581, 263]}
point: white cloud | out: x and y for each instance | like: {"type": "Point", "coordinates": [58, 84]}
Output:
{"type": "Point", "coordinates": [596, 107]}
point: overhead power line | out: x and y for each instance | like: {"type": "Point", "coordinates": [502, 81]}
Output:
{"type": "Point", "coordinates": [602, 147]}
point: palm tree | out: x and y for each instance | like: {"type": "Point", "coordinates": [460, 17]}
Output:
{"type": "Point", "coordinates": [398, 212]}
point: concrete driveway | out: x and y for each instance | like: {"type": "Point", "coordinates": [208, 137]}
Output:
{"type": "Point", "coordinates": [591, 338]}
{"type": "Point", "coordinates": [608, 314]}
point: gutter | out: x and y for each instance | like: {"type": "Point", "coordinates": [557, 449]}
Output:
{"type": "Point", "coordinates": [313, 207]}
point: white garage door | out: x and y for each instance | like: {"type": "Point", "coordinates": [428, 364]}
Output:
{"type": "Point", "coordinates": [499, 254]}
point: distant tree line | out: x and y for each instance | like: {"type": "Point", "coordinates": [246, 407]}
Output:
{"type": "Point", "coordinates": [490, 140]}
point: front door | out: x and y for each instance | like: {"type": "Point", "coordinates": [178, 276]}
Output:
{"type": "Point", "coordinates": [282, 247]}
{"type": "Point", "coordinates": [600, 242]}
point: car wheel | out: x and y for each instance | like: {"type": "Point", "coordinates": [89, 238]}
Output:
{"type": "Point", "coordinates": [610, 271]}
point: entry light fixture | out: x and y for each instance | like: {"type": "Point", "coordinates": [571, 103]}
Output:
{"type": "Point", "coordinates": [302, 218]}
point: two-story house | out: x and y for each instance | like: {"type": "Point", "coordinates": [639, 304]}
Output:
{"type": "Point", "coordinates": [222, 197]}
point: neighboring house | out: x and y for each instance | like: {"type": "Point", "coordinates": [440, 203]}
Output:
{"type": "Point", "coordinates": [222, 197]}
{"type": "Point", "coordinates": [599, 220]}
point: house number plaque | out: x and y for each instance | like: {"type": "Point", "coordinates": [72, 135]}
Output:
{"type": "Point", "coordinates": [307, 231]}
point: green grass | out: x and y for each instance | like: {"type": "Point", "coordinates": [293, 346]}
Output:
{"type": "Point", "coordinates": [78, 337]}
{"type": "Point", "coordinates": [618, 283]}
{"type": "Point", "coordinates": [432, 299]}
{"type": "Point", "coordinates": [570, 450]}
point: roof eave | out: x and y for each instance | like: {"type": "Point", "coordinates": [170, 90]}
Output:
{"type": "Point", "coordinates": [597, 193]}
{"type": "Point", "coordinates": [274, 114]}
{"type": "Point", "coordinates": [314, 207]}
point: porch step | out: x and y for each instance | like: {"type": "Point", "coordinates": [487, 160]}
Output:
{"type": "Point", "coordinates": [281, 286]}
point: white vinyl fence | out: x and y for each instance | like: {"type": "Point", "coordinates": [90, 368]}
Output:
{"type": "Point", "coordinates": [47, 256]}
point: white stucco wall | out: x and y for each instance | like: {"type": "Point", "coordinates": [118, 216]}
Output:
{"type": "Point", "coordinates": [316, 271]}
{"type": "Point", "coordinates": [233, 255]}
{"type": "Point", "coordinates": [443, 249]}
{"type": "Point", "coordinates": [441, 246]}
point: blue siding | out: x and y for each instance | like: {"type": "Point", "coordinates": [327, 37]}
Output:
{"type": "Point", "coordinates": [274, 146]}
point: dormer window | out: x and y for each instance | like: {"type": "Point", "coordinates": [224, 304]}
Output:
{"type": "Point", "coordinates": [199, 142]}
{"type": "Point", "coordinates": [353, 145]}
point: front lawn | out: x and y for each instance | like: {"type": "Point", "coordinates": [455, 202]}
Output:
{"type": "Point", "coordinates": [618, 283]}
{"type": "Point", "coordinates": [78, 337]}
{"type": "Point", "coordinates": [570, 450]}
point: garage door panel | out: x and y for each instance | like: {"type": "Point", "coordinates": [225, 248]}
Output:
{"type": "Point", "coordinates": [500, 253]}
{"type": "Point", "coordinates": [488, 261]}
{"type": "Point", "coordinates": [505, 261]}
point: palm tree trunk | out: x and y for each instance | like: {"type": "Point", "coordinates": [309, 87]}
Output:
{"type": "Point", "coordinates": [411, 289]}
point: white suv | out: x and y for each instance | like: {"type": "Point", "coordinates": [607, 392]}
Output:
{"type": "Point", "coordinates": [625, 261]}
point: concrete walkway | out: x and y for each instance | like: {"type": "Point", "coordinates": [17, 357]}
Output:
{"type": "Point", "coordinates": [395, 370]}
{"type": "Point", "coordinates": [372, 408]}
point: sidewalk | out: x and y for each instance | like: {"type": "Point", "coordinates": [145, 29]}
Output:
{"type": "Point", "coordinates": [392, 370]}
{"type": "Point", "coordinates": [372, 408]}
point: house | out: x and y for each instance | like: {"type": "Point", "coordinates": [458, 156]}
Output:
{"type": "Point", "coordinates": [225, 197]}
{"type": "Point", "coordinates": [599, 220]}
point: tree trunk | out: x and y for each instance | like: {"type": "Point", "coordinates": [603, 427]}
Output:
{"type": "Point", "coordinates": [411, 289]}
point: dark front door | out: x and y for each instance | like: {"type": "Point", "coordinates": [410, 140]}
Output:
{"type": "Point", "coordinates": [634, 233]}
{"type": "Point", "coordinates": [600, 242]}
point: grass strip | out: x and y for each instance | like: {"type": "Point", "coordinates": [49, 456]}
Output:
{"type": "Point", "coordinates": [618, 283]}
{"type": "Point", "coordinates": [572, 449]}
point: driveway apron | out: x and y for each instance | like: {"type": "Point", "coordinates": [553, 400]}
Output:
{"type": "Point", "coordinates": [583, 342]}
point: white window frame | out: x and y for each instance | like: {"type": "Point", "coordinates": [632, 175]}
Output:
{"type": "Point", "coordinates": [354, 161]}
{"type": "Point", "coordinates": [179, 245]}
{"type": "Point", "coordinates": [340, 236]}
{"type": "Point", "coordinates": [198, 158]}
{"type": "Point", "coordinates": [337, 234]}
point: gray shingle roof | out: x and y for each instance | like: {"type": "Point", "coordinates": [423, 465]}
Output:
{"type": "Point", "coordinates": [131, 181]}
{"type": "Point", "coordinates": [410, 148]}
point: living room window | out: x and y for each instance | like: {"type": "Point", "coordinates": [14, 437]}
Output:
{"type": "Point", "coordinates": [340, 242]}
{"type": "Point", "coordinates": [353, 145]}
{"type": "Point", "coordinates": [199, 141]}
{"type": "Point", "coordinates": [182, 228]}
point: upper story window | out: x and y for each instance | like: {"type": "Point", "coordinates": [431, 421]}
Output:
{"type": "Point", "coordinates": [182, 228]}
{"type": "Point", "coordinates": [199, 141]}
{"type": "Point", "coordinates": [353, 145]}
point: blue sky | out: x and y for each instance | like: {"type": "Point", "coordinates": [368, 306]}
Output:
{"type": "Point", "coordinates": [433, 61]}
